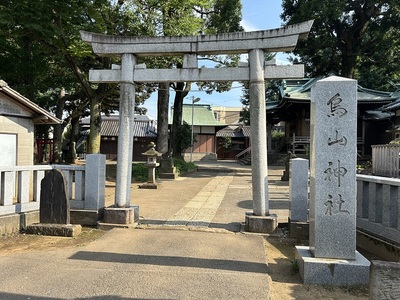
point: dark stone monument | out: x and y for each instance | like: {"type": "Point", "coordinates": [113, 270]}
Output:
{"type": "Point", "coordinates": [54, 205]}
{"type": "Point", "coordinates": [54, 208]}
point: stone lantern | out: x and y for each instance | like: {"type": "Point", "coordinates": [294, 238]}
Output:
{"type": "Point", "coordinates": [151, 164]}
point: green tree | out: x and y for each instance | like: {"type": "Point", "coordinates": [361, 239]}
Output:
{"type": "Point", "coordinates": [342, 32]}
{"type": "Point", "coordinates": [378, 67]}
{"type": "Point", "coordinates": [186, 17]}
{"type": "Point", "coordinates": [226, 143]}
{"type": "Point", "coordinates": [44, 57]}
{"type": "Point", "coordinates": [43, 54]}
{"type": "Point", "coordinates": [185, 137]}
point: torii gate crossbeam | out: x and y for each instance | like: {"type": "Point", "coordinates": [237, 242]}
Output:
{"type": "Point", "coordinates": [255, 44]}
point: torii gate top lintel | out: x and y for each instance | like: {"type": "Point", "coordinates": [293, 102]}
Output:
{"type": "Point", "coordinates": [273, 40]}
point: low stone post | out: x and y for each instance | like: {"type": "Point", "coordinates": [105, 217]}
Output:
{"type": "Point", "coordinates": [298, 196]}
{"type": "Point", "coordinates": [95, 181]}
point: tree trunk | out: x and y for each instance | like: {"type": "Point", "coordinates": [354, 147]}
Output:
{"type": "Point", "coordinates": [95, 127]}
{"type": "Point", "coordinates": [162, 118]}
{"type": "Point", "coordinates": [71, 155]}
{"type": "Point", "coordinates": [177, 119]}
{"type": "Point", "coordinates": [350, 51]}
{"type": "Point", "coordinates": [58, 128]}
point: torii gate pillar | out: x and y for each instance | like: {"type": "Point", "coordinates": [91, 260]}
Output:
{"type": "Point", "coordinates": [259, 220]}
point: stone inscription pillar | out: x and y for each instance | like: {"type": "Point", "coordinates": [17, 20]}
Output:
{"type": "Point", "coordinates": [125, 138]}
{"type": "Point", "coordinates": [258, 121]}
{"type": "Point", "coordinates": [331, 258]}
{"type": "Point", "coordinates": [333, 168]}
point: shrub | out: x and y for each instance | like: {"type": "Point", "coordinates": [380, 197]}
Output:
{"type": "Point", "coordinates": [139, 172]}
{"type": "Point", "coordinates": [183, 166]}
{"type": "Point", "coordinates": [277, 134]}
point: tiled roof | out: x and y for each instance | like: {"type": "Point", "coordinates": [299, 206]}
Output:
{"type": "Point", "coordinates": [392, 106]}
{"type": "Point", "coordinates": [234, 131]}
{"type": "Point", "coordinates": [246, 131]}
{"type": "Point", "coordinates": [230, 131]}
{"type": "Point", "coordinates": [300, 90]}
{"type": "Point", "coordinates": [110, 126]}
{"type": "Point", "coordinates": [202, 115]}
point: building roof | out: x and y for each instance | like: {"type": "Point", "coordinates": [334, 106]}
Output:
{"type": "Point", "coordinates": [143, 126]}
{"type": "Point", "coordinates": [299, 91]}
{"type": "Point", "coordinates": [39, 115]}
{"type": "Point", "coordinates": [234, 131]}
{"type": "Point", "coordinates": [392, 106]}
{"type": "Point", "coordinates": [202, 115]}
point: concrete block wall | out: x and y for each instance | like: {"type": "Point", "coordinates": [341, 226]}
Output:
{"type": "Point", "coordinates": [24, 129]}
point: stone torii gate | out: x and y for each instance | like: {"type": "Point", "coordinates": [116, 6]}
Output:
{"type": "Point", "coordinates": [256, 72]}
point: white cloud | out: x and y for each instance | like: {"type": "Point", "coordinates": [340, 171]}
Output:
{"type": "Point", "coordinates": [248, 26]}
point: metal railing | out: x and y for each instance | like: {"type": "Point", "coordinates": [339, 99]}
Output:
{"type": "Point", "coordinates": [246, 152]}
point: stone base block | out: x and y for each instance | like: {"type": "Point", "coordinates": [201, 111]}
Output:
{"type": "Point", "coordinates": [109, 226]}
{"type": "Point", "coordinates": [121, 215]}
{"type": "Point", "coordinates": [15, 222]}
{"type": "Point", "coordinates": [54, 229]}
{"type": "Point", "coordinates": [298, 229]}
{"type": "Point", "coordinates": [84, 217]}
{"type": "Point", "coordinates": [328, 271]}
{"type": "Point", "coordinates": [168, 175]}
{"type": "Point", "coordinates": [10, 224]}
{"type": "Point", "coordinates": [385, 280]}
{"type": "Point", "coordinates": [150, 186]}
{"type": "Point", "coordinates": [260, 224]}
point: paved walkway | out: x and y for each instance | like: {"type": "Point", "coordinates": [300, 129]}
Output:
{"type": "Point", "coordinates": [191, 248]}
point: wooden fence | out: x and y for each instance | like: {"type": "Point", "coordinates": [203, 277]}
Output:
{"type": "Point", "coordinates": [385, 160]}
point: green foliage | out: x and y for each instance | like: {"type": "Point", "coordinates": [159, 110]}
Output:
{"type": "Point", "coordinates": [226, 143]}
{"type": "Point", "coordinates": [41, 51]}
{"type": "Point", "coordinates": [245, 115]}
{"type": "Point", "coordinates": [277, 134]}
{"type": "Point", "coordinates": [349, 38]}
{"type": "Point", "coordinates": [185, 137]}
{"type": "Point", "coordinates": [140, 172]}
{"type": "Point", "coordinates": [183, 166]}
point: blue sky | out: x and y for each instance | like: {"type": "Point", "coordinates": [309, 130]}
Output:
{"type": "Point", "coordinates": [256, 15]}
